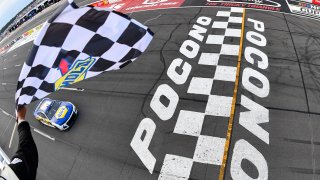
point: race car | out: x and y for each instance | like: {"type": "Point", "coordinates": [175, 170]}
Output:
{"type": "Point", "coordinates": [56, 114]}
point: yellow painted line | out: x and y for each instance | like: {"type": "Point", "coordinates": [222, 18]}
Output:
{"type": "Point", "coordinates": [235, 91]}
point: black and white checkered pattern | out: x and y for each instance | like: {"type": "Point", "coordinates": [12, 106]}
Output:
{"type": "Point", "coordinates": [220, 54]}
{"type": "Point", "coordinates": [111, 38]}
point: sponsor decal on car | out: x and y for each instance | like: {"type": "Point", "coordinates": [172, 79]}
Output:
{"type": "Point", "coordinates": [61, 112]}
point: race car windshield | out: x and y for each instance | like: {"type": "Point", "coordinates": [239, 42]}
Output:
{"type": "Point", "coordinates": [55, 106]}
{"type": "Point", "coordinates": [45, 106]}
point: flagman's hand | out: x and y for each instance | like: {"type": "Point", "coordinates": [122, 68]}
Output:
{"type": "Point", "coordinates": [21, 114]}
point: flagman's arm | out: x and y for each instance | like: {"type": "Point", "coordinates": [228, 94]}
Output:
{"type": "Point", "coordinates": [25, 162]}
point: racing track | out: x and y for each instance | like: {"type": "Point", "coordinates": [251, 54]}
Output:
{"type": "Point", "coordinates": [112, 105]}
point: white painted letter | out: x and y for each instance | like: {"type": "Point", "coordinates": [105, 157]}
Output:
{"type": "Point", "coordinates": [140, 146]}
{"type": "Point", "coordinates": [244, 150]}
{"type": "Point", "coordinates": [174, 75]}
{"type": "Point", "coordinates": [205, 21]}
{"type": "Point", "coordinates": [263, 64]}
{"type": "Point", "coordinates": [164, 112]}
{"type": "Point", "coordinates": [197, 31]}
{"type": "Point", "coordinates": [192, 51]}
{"type": "Point", "coordinates": [256, 38]}
{"type": "Point", "coordinates": [262, 89]}
{"type": "Point", "coordinates": [258, 25]}
{"type": "Point", "coordinates": [251, 119]}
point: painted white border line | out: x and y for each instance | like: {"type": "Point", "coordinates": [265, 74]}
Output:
{"type": "Point", "coordinates": [72, 89]}
{"type": "Point", "coordinates": [14, 128]}
{"type": "Point", "coordinates": [6, 113]}
{"type": "Point", "coordinates": [13, 131]}
{"type": "Point", "coordinates": [5, 84]}
{"type": "Point", "coordinates": [44, 134]}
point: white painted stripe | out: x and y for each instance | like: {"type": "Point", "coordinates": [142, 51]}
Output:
{"type": "Point", "coordinates": [235, 20]}
{"type": "Point", "coordinates": [4, 84]}
{"type": "Point", "coordinates": [209, 150]}
{"type": "Point", "coordinates": [237, 9]}
{"type": "Point", "coordinates": [219, 106]}
{"type": "Point", "coordinates": [175, 167]}
{"type": "Point", "coordinates": [224, 13]}
{"type": "Point", "coordinates": [225, 73]}
{"type": "Point", "coordinates": [229, 49]}
{"type": "Point", "coordinates": [4, 112]}
{"type": "Point", "coordinates": [44, 134]}
{"type": "Point", "coordinates": [189, 123]}
{"type": "Point", "coordinates": [233, 32]}
{"type": "Point", "coordinates": [211, 59]}
{"type": "Point", "coordinates": [3, 132]}
{"type": "Point", "coordinates": [17, 65]}
{"type": "Point", "coordinates": [4, 68]}
{"type": "Point", "coordinates": [14, 128]}
{"type": "Point", "coordinates": [72, 89]}
{"type": "Point", "coordinates": [200, 85]}
{"type": "Point", "coordinates": [13, 131]}
{"type": "Point", "coordinates": [215, 39]}
{"type": "Point", "coordinates": [220, 25]}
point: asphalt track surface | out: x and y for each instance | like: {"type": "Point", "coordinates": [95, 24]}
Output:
{"type": "Point", "coordinates": [112, 105]}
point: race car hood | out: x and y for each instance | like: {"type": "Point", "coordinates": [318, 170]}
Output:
{"type": "Point", "coordinates": [63, 113]}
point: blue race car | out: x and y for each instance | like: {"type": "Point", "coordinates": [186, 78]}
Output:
{"type": "Point", "coordinates": [56, 114]}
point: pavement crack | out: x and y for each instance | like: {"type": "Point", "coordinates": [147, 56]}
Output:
{"type": "Point", "coordinates": [151, 19]}
{"type": "Point", "coordinates": [162, 59]}
{"type": "Point", "coordinates": [74, 162]}
{"type": "Point", "coordinates": [307, 101]}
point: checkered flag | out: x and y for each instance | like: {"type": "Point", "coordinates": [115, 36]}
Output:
{"type": "Point", "coordinates": [76, 44]}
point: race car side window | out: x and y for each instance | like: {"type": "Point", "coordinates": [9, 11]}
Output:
{"type": "Point", "coordinates": [41, 115]}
